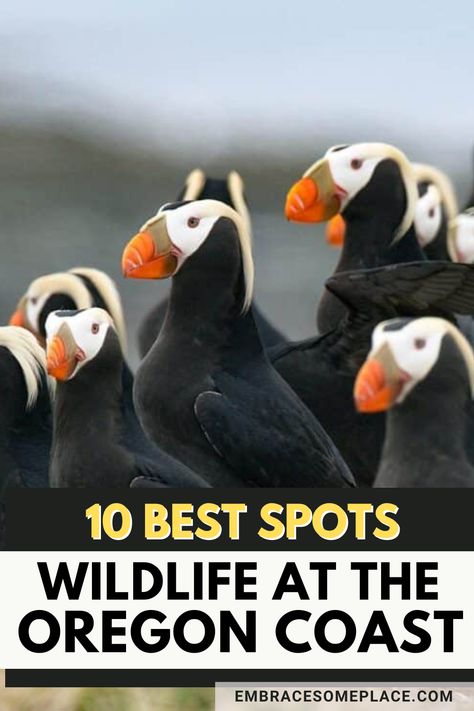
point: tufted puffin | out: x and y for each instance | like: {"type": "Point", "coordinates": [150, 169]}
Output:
{"type": "Point", "coordinates": [47, 293]}
{"type": "Point", "coordinates": [435, 209]}
{"type": "Point", "coordinates": [206, 392]}
{"type": "Point", "coordinates": [25, 414]}
{"type": "Point", "coordinates": [84, 355]}
{"type": "Point", "coordinates": [105, 295]}
{"type": "Point", "coordinates": [82, 288]}
{"type": "Point", "coordinates": [79, 288]}
{"type": "Point", "coordinates": [422, 372]}
{"type": "Point", "coordinates": [461, 237]}
{"type": "Point", "coordinates": [321, 370]}
{"type": "Point", "coordinates": [372, 185]}
{"type": "Point", "coordinates": [198, 186]}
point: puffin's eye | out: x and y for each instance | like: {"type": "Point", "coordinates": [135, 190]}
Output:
{"type": "Point", "coordinates": [419, 343]}
{"type": "Point", "coordinates": [95, 328]}
{"type": "Point", "coordinates": [33, 299]}
{"type": "Point", "coordinates": [431, 212]}
{"type": "Point", "coordinates": [356, 163]}
{"type": "Point", "coordinates": [193, 222]}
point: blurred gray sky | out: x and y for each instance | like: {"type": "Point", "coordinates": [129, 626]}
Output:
{"type": "Point", "coordinates": [261, 85]}
{"type": "Point", "coordinates": [273, 73]}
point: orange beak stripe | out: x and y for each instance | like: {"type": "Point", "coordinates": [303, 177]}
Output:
{"type": "Point", "coordinates": [335, 231]}
{"type": "Point", "coordinates": [17, 318]}
{"type": "Point", "coordinates": [58, 363]}
{"type": "Point", "coordinates": [140, 260]}
{"type": "Point", "coordinates": [372, 391]}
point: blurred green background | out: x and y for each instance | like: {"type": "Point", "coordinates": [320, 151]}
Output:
{"type": "Point", "coordinates": [106, 699]}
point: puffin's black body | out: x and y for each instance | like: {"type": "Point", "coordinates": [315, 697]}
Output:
{"type": "Point", "coordinates": [206, 391]}
{"type": "Point", "coordinates": [314, 368]}
{"type": "Point", "coordinates": [437, 249]}
{"type": "Point", "coordinates": [371, 219]}
{"type": "Point", "coordinates": [90, 444]}
{"type": "Point", "coordinates": [214, 189]}
{"type": "Point", "coordinates": [322, 370]}
{"type": "Point", "coordinates": [425, 438]}
{"type": "Point", "coordinates": [133, 435]}
{"type": "Point", "coordinates": [25, 435]}
{"type": "Point", "coordinates": [325, 385]}
{"type": "Point", "coordinates": [153, 321]}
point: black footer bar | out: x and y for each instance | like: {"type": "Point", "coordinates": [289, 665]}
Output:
{"type": "Point", "coordinates": [207, 678]}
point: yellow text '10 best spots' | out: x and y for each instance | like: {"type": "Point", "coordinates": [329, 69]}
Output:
{"type": "Point", "coordinates": [211, 521]}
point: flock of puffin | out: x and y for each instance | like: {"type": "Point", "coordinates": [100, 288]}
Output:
{"type": "Point", "coordinates": [381, 397]}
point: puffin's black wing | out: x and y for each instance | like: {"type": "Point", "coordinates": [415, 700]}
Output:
{"type": "Point", "coordinates": [413, 289]}
{"type": "Point", "coordinates": [266, 434]}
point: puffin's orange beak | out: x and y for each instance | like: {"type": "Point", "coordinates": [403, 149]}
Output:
{"type": "Point", "coordinates": [61, 359]}
{"type": "Point", "coordinates": [17, 318]}
{"type": "Point", "coordinates": [335, 231]}
{"type": "Point", "coordinates": [150, 254]}
{"type": "Point", "coordinates": [301, 201]}
{"type": "Point", "coordinates": [314, 198]}
{"type": "Point", "coordinates": [58, 364]}
{"type": "Point", "coordinates": [372, 393]}
{"type": "Point", "coordinates": [379, 382]}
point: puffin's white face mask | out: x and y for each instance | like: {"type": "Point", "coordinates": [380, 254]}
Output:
{"type": "Point", "coordinates": [428, 215]}
{"type": "Point", "coordinates": [72, 340]}
{"type": "Point", "coordinates": [462, 240]}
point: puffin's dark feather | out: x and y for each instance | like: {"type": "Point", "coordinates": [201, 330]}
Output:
{"type": "Point", "coordinates": [232, 422]}
{"type": "Point", "coordinates": [414, 289]}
